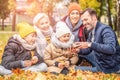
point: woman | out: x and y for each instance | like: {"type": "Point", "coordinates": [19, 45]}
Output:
{"type": "Point", "coordinates": [74, 22]}
{"type": "Point", "coordinates": [44, 31]}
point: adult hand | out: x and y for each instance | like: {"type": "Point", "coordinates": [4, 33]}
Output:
{"type": "Point", "coordinates": [76, 44]}
{"type": "Point", "coordinates": [84, 45]}
{"type": "Point", "coordinates": [61, 65]}
{"type": "Point", "coordinates": [75, 47]}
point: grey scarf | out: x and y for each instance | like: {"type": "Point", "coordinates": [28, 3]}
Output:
{"type": "Point", "coordinates": [41, 40]}
{"type": "Point", "coordinates": [24, 43]}
{"type": "Point", "coordinates": [59, 44]}
{"type": "Point", "coordinates": [75, 29]}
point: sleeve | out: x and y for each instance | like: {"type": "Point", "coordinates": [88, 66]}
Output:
{"type": "Point", "coordinates": [48, 56]}
{"type": "Point", "coordinates": [8, 58]}
{"type": "Point", "coordinates": [84, 51]}
{"type": "Point", "coordinates": [109, 42]}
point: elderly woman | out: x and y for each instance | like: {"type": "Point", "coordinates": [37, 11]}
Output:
{"type": "Point", "coordinates": [44, 31]}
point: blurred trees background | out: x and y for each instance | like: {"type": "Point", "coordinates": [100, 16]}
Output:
{"type": "Point", "coordinates": [109, 10]}
{"type": "Point", "coordinates": [5, 10]}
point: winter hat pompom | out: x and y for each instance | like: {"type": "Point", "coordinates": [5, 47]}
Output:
{"type": "Point", "coordinates": [25, 29]}
{"type": "Point", "coordinates": [61, 29]}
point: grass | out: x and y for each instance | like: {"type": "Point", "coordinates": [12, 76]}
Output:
{"type": "Point", "coordinates": [6, 28]}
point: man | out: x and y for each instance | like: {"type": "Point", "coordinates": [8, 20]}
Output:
{"type": "Point", "coordinates": [101, 48]}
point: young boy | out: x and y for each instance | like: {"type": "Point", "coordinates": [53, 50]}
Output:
{"type": "Point", "coordinates": [20, 51]}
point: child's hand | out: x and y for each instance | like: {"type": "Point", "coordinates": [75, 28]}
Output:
{"type": "Point", "coordinates": [75, 47]}
{"type": "Point", "coordinates": [34, 59]}
{"type": "Point", "coordinates": [67, 64]}
{"type": "Point", "coordinates": [61, 65]}
{"type": "Point", "coordinates": [75, 50]}
{"type": "Point", "coordinates": [27, 63]}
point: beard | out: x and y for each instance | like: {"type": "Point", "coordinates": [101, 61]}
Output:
{"type": "Point", "coordinates": [89, 27]}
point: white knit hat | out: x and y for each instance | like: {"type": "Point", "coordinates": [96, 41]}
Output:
{"type": "Point", "coordinates": [38, 17]}
{"type": "Point", "coordinates": [61, 29]}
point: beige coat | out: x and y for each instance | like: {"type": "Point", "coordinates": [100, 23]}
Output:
{"type": "Point", "coordinates": [53, 54]}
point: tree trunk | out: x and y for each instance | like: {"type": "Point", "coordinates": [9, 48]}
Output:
{"type": "Point", "coordinates": [101, 11]}
{"type": "Point", "coordinates": [109, 14]}
{"type": "Point", "coordinates": [115, 17]}
{"type": "Point", "coordinates": [115, 22]}
{"type": "Point", "coordinates": [118, 19]}
{"type": "Point", "coordinates": [14, 21]}
{"type": "Point", "coordinates": [2, 24]}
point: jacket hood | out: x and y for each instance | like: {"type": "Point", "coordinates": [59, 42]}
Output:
{"type": "Point", "coordinates": [12, 40]}
{"type": "Point", "coordinates": [76, 27]}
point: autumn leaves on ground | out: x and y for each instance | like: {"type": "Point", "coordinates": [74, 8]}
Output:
{"type": "Point", "coordinates": [73, 75]}
{"type": "Point", "coordinates": [28, 75]}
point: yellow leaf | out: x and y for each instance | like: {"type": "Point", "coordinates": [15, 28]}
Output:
{"type": "Point", "coordinates": [40, 77]}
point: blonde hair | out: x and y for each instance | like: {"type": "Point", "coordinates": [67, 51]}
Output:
{"type": "Point", "coordinates": [38, 18]}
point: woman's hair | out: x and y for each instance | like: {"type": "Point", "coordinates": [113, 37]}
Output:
{"type": "Point", "coordinates": [38, 17]}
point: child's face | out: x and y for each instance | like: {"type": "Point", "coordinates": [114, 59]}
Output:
{"type": "Point", "coordinates": [44, 24]}
{"type": "Point", "coordinates": [31, 38]}
{"type": "Point", "coordinates": [64, 38]}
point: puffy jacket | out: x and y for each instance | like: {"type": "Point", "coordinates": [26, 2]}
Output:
{"type": "Point", "coordinates": [14, 53]}
{"type": "Point", "coordinates": [53, 54]}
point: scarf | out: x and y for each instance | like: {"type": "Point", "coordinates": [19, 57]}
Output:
{"type": "Point", "coordinates": [41, 39]}
{"type": "Point", "coordinates": [60, 44]}
{"type": "Point", "coordinates": [75, 29]}
{"type": "Point", "coordinates": [24, 43]}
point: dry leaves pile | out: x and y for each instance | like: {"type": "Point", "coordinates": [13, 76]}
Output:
{"type": "Point", "coordinates": [73, 75]}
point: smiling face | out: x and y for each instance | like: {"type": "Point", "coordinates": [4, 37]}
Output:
{"type": "Point", "coordinates": [64, 38]}
{"type": "Point", "coordinates": [31, 38]}
{"type": "Point", "coordinates": [88, 20]}
{"type": "Point", "coordinates": [74, 16]}
{"type": "Point", "coordinates": [44, 24]}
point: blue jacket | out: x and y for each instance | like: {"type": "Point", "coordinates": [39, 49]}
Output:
{"type": "Point", "coordinates": [105, 48]}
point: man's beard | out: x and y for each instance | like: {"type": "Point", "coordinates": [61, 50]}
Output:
{"type": "Point", "coordinates": [90, 27]}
